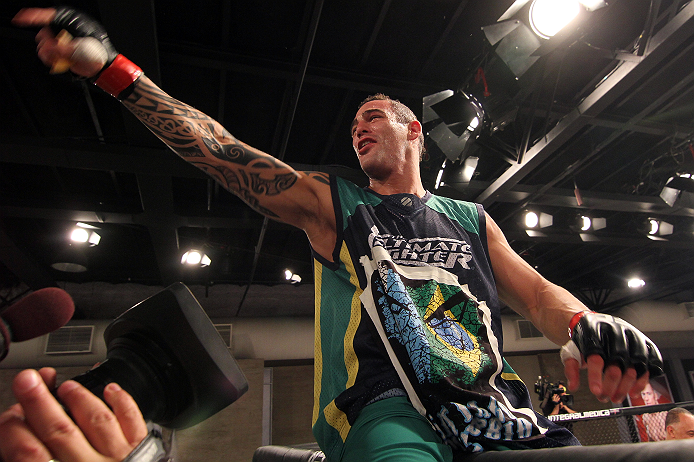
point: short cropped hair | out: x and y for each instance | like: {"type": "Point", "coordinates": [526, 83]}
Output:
{"type": "Point", "coordinates": [673, 415]}
{"type": "Point", "coordinates": [403, 114]}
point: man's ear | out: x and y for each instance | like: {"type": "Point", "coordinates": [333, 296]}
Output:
{"type": "Point", "coordinates": [414, 130]}
{"type": "Point", "coordinates": [670, 432]}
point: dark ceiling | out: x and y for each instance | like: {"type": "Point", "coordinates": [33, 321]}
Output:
{"type": "Point", "coordinates": [607, 107]}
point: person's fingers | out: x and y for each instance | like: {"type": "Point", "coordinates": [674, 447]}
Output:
{"type": "Point", "coordinates": [595, 365]}
{"type": "Point", "coordinates": [96, 420]}
{"type": "Point", "coordinates": [48, 421]}
{"type": "Point", "coordinates": [573, 374]}
{"type": "Point", "coordinates": [127, 412]}
{"type": "Point", "coordinates": [49, 375]}
{"type": "Point", "coordinates": [31, 17]}
{"type": "Point", "coordinates": [18, 443]}
{"type": "Point", "coordinates": [51, 49]}
{"type": "Point", "coordinates": [611, 379]}
{"type": "Point", "coordinates": [44, 35]}
{"type": "Point", "coordinates": [625, 385]}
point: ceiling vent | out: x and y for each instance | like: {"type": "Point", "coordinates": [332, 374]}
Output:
{"type": "Point", "coordinates": [526, 329]}
{"type": "Point", "coordinates": [225, 332]}
{"type": "Point", "coordinates": [70, 340]}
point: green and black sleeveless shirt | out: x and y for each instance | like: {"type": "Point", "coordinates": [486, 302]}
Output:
{"type": "Point", "coordinates": [423, 263]}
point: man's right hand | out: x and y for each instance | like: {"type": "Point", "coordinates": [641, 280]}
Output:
{"type": "Point", "coordinates": [37, 429]}
{"type": "Point", "coordinates": [51, 51]}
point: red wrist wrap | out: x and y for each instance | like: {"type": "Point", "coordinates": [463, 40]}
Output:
{"type": "Point", "coordinates": [574, 320]}
{"type": "Point", "coordinates": [118, 77]}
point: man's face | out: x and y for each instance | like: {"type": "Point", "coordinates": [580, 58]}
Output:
{"type": "Point", "coordinates": [648, 395]}
{"type": "Point", "coordinates": [684, 429]}
{"type": "Point", "coordinates": [378, 139]}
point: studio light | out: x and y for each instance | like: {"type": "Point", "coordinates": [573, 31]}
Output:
{"type": "Point", "coordinates": [455, 174]}
{"type": "Point", "coordinates": [655, 229]}
{"type": "Point", "coordinates": [195, 257]}
{"type": "Point", "coordinates": [515, 45]}
{"type": "Point", "coordinates": [674, 187]}
{"type": "Point", "coordinates": [522, 34]}
{"type": "Point", "coordinates": [547, 17]}
{"type": "Point", "coordinates": [291, 277]}
{"type": "Point", "coordinates": [535, 220]}
{"type": "Point", "coordinates": [453, 121]}
{"type": "Point", "coordinates": [585, 223]}
{"type": "Point", "coordinates": [84, 233]}
{"type": "Point", "coordinates": [636, 283]}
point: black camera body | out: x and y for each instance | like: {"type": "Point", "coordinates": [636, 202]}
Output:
{"type": "Point", "coordinates": [546, 389]}
{"type": "Point", "coordinates": [167, 354]}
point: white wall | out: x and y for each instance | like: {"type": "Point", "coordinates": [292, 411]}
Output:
{"type": "Point", "coordinates": [292, 338]}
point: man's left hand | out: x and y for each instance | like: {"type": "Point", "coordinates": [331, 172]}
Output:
{"type": "Point", "coordinates": [619, 358]}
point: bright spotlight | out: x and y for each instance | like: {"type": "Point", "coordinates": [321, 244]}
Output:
{"type": "Point", "coordinates": [79, 235]}
{"type": "Point", "coordinates": [543, 220]}
{"type": "Point", "coordinates": [291, 277]}
{"type": "Point", "coordinates": [585, 226]}
{"type": "Point", "coordinates": [531, 219]}
{"type": "Point", "coordinates": [85, 235]}
{"type": "Point", "coordinates": [547, 17]}
{"type": "Point", "coordinates": [195, 258]}
{"type": "Point", "coordinates": [636, 283]}
{"type": "Point", "coordinates": [654, 226]}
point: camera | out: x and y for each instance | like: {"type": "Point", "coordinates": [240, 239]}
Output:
{"type": "Point", "coordinates": [167, 354]}
{"type": "Point", "coordinates": [546, 389]}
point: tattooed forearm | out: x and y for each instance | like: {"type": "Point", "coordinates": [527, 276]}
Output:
{"type": "Point", "coordinates": [203, 142]}
{"type": "Point", "coordinates": [189, 132]}
{"type": "Point", "coordinates": [321, 177]}
{"type": "Point", "coordinates": [268, 186]}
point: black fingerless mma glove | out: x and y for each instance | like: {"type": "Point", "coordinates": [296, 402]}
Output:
{"type": "Point", "coordinates": [118, 76]}
{"type": "Point", "coordinates": [617, 342]}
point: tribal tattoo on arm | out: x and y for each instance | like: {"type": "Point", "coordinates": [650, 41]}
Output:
{"type": "Point", "coordinates": [200, 140]}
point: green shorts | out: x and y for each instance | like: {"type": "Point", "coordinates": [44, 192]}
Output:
{"type": "Point", "coordinates": [392, 430]}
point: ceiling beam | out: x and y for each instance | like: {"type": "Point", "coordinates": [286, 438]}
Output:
{"type": "Point", "coordinates": [627, 73]}
{"type": "Point", "coordinates": [139, 160]}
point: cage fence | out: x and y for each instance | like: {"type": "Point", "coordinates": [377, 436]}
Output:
{"type": "Point", "coordinates": [619, 425]}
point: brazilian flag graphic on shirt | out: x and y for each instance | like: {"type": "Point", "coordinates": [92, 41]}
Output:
{"type": "Point", "coordinates": [441, 336]}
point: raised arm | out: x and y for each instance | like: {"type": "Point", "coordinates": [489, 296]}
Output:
{"type": "Point", "coordinates": [610, 349]}
{"type": "Point", "coordinates": [269, 186]}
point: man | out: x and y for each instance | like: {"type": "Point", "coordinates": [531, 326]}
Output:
{"type": "Point", "coordinates": [406, 282]}
{"type": "Point", "coordinates": [553, 403]}
{"type": "Point", "coordinates": [653, 421]}
{"type": "Point", "coordinates": [679, 424]}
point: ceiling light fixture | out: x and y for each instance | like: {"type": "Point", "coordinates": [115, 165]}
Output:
{"type": "Point", "coordinates": [636, 283]}
{"type": "Point", "coordinates": [548, 17]}
{"type": "Point", "coordinates": [84, 233]}
{"type": "Point", "coordinates": [453, 121]}
{"type": "Point", "coordinates": [655, 227]}
{"type": "Point", "coordinates": [534, 220]}
{"type": "Point", "coordinates": [291, 277]}
{"type": "Point", "coordinates": [586, 223]}
{"type": "Point", "coordinates": [674, 187]}
{"type": "Point", "coordinates": [195, 257]}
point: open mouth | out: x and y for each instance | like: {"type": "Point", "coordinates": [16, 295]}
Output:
{"type": "Point", "coordinates": [363, 144]}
